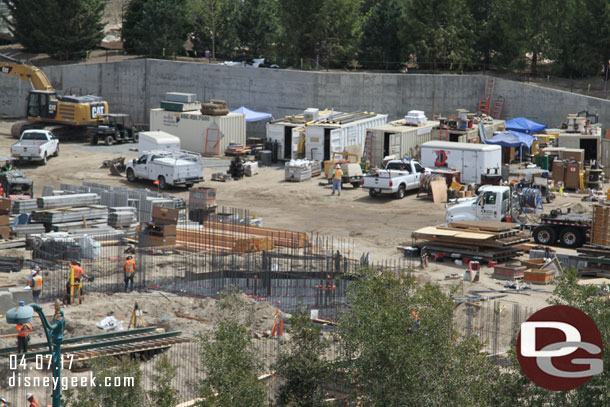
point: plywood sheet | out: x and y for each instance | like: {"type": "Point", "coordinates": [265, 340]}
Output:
{"type": "Point", "coordinates": [439, 190]}
{"type": "Point", "coordinates": [488, 225]}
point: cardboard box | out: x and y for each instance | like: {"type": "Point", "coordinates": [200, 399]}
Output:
{"type": "Point", "coordinates": [161, 230]}
{"type": "Point", "coordinates": [5, 231]}
{"type": "Point", "coordinates": [558, 171]}
{"type": "Point", "coordinates": [5, 205]}
{"type": "Point", "coordinates": [147, 240]}
{"type": "Point", "coordinates": [165, 216]}
{"type": "Point", "coordinates": [572, 154]}
{"type": "Point", "coordinates": [5, 220]}
{"type": "Point", "coordinates": [572, 176]}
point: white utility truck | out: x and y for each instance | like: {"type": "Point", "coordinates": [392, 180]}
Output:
{"type": "Point", "coordinates": [167, 167]}
{"type": "Point", "coordinates": [398, 177]}
{"type": "Point", "coordinates": [471, 160]}
{"type": "Point", "coordinates": [35, 145]}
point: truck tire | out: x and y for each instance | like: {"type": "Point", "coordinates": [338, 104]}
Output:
{"type": "Point", "coordinates": [570, 237]}
{"type": "Point", "coordinates": [44, 159]}
{"type": "Point", "coordinates": [93, 140]}
{"type": "Point", "coordinates": [109, 140]}
{"type": "Point", "coordinates": [356, 184]}
{"type": "Point", "coordinates": [401, 192]}
{"type": "Point", "coordinates": [131, 176]}
{"type": "Point", "coordinates": [544, 235]}
{"type": "Point", "coordinates": [188, 186]}
{"type": "Point", "coordinates": [373, 193]}
{"type": "Point", "coordinates": [56, 152]}
{"type": "Point", "coordinates": [162, 182]}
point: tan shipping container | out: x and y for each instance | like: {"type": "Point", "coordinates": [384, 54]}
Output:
{"type": "Point", "coordinates": [207, 135]}
{"type": "Point", "coordinates": [399, 140]}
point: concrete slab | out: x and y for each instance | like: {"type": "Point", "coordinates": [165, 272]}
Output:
{"type": "Point", "coordinates": [6, 302]}
{"type": "Point", "coordinates": [21, 294]}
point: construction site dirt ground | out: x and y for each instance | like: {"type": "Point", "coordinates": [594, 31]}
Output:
{"type": "Point", "coordinates": [373, 225]}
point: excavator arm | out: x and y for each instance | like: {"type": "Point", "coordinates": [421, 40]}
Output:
{"type": "Point", "coordinates": [18, 69]}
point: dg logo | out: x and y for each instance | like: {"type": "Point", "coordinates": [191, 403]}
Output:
{"type": "Point", "coordinates": [560, 348]}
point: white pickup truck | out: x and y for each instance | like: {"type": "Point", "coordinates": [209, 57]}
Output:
{"type": "Point", "coordinates": [167, 167]}
{"type": "Point", "coordinates": [35, 145]}
{"type": "Point", "coordinates": [398, 177]}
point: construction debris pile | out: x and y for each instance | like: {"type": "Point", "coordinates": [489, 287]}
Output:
{"type": "Point", "coordinates": [471, 240]}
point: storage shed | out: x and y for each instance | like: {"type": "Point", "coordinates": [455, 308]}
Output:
{"type": "Point", "coordinates": [338, 131]}
{"type": "Point", "coordinates": [591, 143]}
{"type": "Point", "coordinates": [288, 135]}
{"type": "Point", "coordinates": [208, 135]}
{"type": "Point", "coordinates": [397, 138]}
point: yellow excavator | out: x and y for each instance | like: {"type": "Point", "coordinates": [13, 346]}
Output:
{"type": "Point", "coordinates": [62, 114]}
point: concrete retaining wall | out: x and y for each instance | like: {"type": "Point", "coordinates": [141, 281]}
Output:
{"type": "Point", "coordinates": [135, 86]}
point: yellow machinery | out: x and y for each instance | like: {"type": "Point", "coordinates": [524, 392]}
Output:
{"type": "Point", "coordinates": [544, 140]}
{"type": "Point", "coordinates": [340, 157]}
{"type": "Point", "coordinates": [67, 113]}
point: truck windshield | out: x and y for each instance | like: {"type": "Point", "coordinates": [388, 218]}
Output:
{"type": "Point", "coordinates": [34, 136]}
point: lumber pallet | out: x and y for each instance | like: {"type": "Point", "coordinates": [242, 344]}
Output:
{"type": "Point", "coordinates": [280, 237]}
{"type": "Point", "coordinates": [237, 243]}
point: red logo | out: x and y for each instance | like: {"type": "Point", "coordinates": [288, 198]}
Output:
{"type": "Point", "coordinates": [560, 348]}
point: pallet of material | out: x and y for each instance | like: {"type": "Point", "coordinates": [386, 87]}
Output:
{"type": "Point", "coordinates": [489, 254]}
{"type": "Point", "coordinates": [25, 230]}
{"type": "Point", "coordinates": [280, 237]}
{"type": "Point", "coordinates": [537, 276]}
{"type": "Point", "coordinates": [600, 226]}
{"type": "Point", "coordinates": [236, 243]}
{"type": "Point", "coordinates": [23, 205]}
{"type": "Point", "coordinates": [70, 214]}
{"type": "Point", "coordinates": [62, 201]}
{"type": "Point", "coordinates": [470, 237]}
{"type": "Point", "coordinates": [508, 272]}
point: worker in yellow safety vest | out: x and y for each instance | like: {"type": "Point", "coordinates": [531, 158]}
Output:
{"type": "Point", "coordinates": [129, 268]}
{"type": "Point", "coordinates": [23, 336]}
{"type": "Point", "coordinates": [337, 177]}
{"type": "Point", "coordinates": [36, 284]}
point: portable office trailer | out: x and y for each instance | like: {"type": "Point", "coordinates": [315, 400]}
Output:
{"type": "Point", "coordinates": [472, 160]}
{"type": "Point", "coordinates": [322, 139]}
{"type": "Point", "coordinates": [396, 138]}
{"type": "Point", "coordinates": [208, 135]}
{"type": "Point", "coordinates": [288, 136]}
{"type": "Point", "coordinates": [591, 143]}
{"type": "Point", "coordinates": [157, 140]}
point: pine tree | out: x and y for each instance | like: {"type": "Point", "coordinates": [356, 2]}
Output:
{"type": "Point", "coordinates": [379, 45]}
{"type": "Point", "coordinates": [65, 29]}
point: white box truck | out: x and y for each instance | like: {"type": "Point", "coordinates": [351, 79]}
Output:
{"type": "Point", "coordinates": [157, 141]}
{"type": "Point", "coordinates": [472, 160]}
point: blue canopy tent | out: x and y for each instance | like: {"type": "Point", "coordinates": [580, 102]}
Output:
{"type": "Point", "coordinates": [511, 138]}
{"type": "Point", "coordinates": [523, 125]}
{"type": "Point", "coordinates": [251, 115]}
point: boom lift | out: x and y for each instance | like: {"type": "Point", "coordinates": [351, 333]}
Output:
{"type": "Point", "coordinates": [62, 114]}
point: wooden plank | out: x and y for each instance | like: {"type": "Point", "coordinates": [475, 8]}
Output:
{"type": "Point", "coordinates": [439, 190]}
{"type": "Point", "coordinates": [487, 225]}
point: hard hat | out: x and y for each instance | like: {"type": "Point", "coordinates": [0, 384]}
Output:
{"type": "Point", "coordinates": [2, 399]}
{"type": "Point", "coordinates": [28, 396]}
{"type": "Point", "coordinates": [33, 272]}
{"type": "Point", "coordinates": [338, 166]}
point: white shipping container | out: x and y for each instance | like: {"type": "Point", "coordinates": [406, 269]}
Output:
{"type": "Point", "coordinates": [398, 140]}
{"type": "Point", "coordinates": [208, 135]}
{"type": "Point", "coordinates": [321, 140]}
{"type": "Point", "coordinates": [472, 160]}
{"type": "Point", "coordinates": [157, 140]}
{"type": "Point", "coordinates": [288, 135]}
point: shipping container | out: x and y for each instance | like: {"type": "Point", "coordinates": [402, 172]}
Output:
{"type": "Point", "coordinates": [396, 138]}
{"type": "Point", "coordinates": [322, 139]}
{"type": "Point", "coordinates": [288, 135]}
{"type": "Point", "coordinates": [591, 143]}
{"type": "Point", "coordinates": [208, 135]}
{"type": "Point", "coordinates": [471, 160]}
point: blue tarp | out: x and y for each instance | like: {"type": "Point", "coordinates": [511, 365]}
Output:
{"type": "Point", "coordinates": [524, 125]}
{"type": "Point", "coordinates": [511, 139]}
{"type": "Point", "coordinates": [251, 115]}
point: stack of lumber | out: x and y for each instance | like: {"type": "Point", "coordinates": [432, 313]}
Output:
{"type": "Point", "coordinates": [600, 226]}
{"type": "Point", "coordinates": [23, 205]}
{"type": "Point", "coordinates": [597, 261]}
{"type": "Point", "coordinates": [222, 242]}
{"type": "Point", "coordinates": [162, 230]}
{"type": "Point", "coordinates": [73, 200]}
{"type": "Point", "coordinates": [486, 240]}
{"type": "Point", "coordinates": [280, 237]}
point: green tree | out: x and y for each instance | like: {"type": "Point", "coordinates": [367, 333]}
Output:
{"type": "Point", "coordinates": [303, 368]}
{"type": "Point", "coordinates": [156, 27]}
{"type": "Point", "coordinates": [328, 28]}
{"type": "Point", "coordinates": [258, 26]}
{"type": "Point", "coordinates": [125, 394]}
{"type": "Point", "coordinates": [379, 44]}
{"type": "Point", "coordinates": [230, 364]}
{"type": "Point", "coordinates": [438, 33]}
{"type": "Point", "coordinates": [164, 394]}
{"type": "Point", "coordinates": [215, 26]}
{"type": "Point", "coordinates": [65, 29]}
{"type": "Point", "coordinates": [395, 358]}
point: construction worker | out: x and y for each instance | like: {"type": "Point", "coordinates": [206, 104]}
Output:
{"type": "Point", "coordinates": [78, 274]}
{"type": "Point", "coordinates": [337, 177]}
{"type": "Point", "coordinates": [36, 284]}
{"type": "Point", "coordinates": [416, 317]}
{"type": "Point", "coordinates": [129, 268]}
{"type": "Point", "coordinates": [23, 337]}
{"type": "Point", "coordinates": [33, 402]}
{"type": "Point", "coordinates": [3, 402]}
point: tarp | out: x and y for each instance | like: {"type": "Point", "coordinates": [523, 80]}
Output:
{"type": "Point", "coordinates": [511, 139]}
{"type": "Point", "coordinates": [251, 115]}
{"type": "Point", "coordinates": [524, 125]}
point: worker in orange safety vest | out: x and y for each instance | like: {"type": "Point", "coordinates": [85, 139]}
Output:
{"type": "Point", "coordinates": [337, 177]}
{"type": "Point", "coordinates": [416, 317]}
{"type": "Point", "coordinates": [77, 274]}
{"type": "Point", "coordinates": [36, 284]}
{"type": "Point", "coordinates": [129, 268]}
{"type": "Point", "coordinates": [23, 337]}
{"type": "Point", "coordinates": [33, 402]}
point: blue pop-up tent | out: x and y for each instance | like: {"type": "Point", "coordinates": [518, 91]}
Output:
{"type": "Point", "coordinates": [511, 139]}
{"type": "Point", "coordinates": [524, 125]}
{"type": "Point", "coordinates": [251, 115]}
